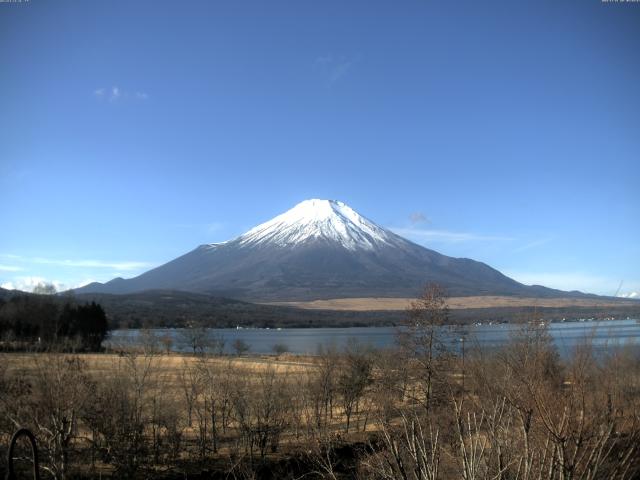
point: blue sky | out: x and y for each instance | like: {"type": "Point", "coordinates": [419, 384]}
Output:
{"type": "Point", "coordinates": [508, 132]}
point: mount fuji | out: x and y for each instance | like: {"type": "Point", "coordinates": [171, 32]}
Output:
{"type": "Point", "coordinates": [319, 249]}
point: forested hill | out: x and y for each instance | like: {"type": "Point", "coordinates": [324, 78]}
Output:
{"type": "Point", "coordinates": [158, 308]}
{"type": "Point", "coordinates": [47, 321]}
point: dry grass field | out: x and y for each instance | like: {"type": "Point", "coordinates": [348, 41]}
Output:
{"type": "Point", "coordinates": [166, 366]}
{"type": "Point", "coordinates": [351, 414]}
{"type": "Point", "coordinates": [454, 303]}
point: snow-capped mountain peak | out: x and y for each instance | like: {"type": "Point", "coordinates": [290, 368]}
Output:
{"type": "Point", "coordinates": [315, 219]}
{"type": "Point", "coordinates": [320, 249]}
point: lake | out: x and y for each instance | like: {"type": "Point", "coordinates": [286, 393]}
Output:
{"type": "Point", "coordinates": [566, 335]}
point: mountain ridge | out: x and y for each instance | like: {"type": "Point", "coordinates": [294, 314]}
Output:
{"type": "Point", "coordinates": [320, 249]}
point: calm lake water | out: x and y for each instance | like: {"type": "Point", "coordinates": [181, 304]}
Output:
{"type": "Point", "coordinates": [567, 335]}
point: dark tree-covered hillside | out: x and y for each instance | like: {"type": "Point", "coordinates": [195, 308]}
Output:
{"type": "Point", "coordinates": [45, 321]}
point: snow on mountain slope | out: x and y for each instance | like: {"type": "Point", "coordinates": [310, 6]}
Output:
{"type": "Point", "coordinates": [316, 219]}
{"type": "Point", "coordinates": [319, 249]}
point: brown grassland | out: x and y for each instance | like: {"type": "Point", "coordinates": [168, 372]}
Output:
{"type": "Point", "coordinates": [454, 303]}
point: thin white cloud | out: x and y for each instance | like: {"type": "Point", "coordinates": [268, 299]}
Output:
{"type": "Point", "coordinates": [209, 227]}
{"type": "Point", "coordinates": [533, 244]}
{"type": "Point", "coordinates": [332, 68]}
{"type": "Point", "coordinates": [583, 281]}
{"type": "Point", "coordinates": [63, 273]}
{"type": "Point", "coordinates": [83, 263]}
{"type": "Point", "coordinates": [115, 93]}
{"type": "Point", "coordinates": [446, 236]}
{"type": "Point", "coordinates": [27, 284]}
{"type": "Point", "coordinates": [10, 268]}
{"type": "Point", "coordinates": [86, 281]}
{"type": "Point", "coordinates": [91, 263]}
{"type": "Point", "coordinates": [418, 217]}
{"type": "Point", "coordinates": [629, 295]}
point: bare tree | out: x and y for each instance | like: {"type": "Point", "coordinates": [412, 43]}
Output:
{"type": "Point", "coordinates": [390, 382]}
{"type": "Point", "coordinates": [216, 343]}
{"type": "Point", "coordinates": [544, 419]}
{"type": "Point", "coordinates": [149, 341]}
{"type": "Point", "coordinates": [61, 389]}
{"type": "Point", "coordinates": [353, 378]}
{"type": "Point", "coordinates": [215, 396]}
{"type": "Point", "coordinates": [240, 346]}
{"type": "Point", "coordinates": [44, 288]}
{"type": "Point", "coordinates": [120, 411]}
{"type": "Point", "coordinates": [190, 384]}
{"type": "Point", "coordinates": [167, 342]}
{"type": "Point", "coordinates": [321, 386]}
{"type": "Point", "coordinates": [262, 411]}
{"type": "Point", "coordinates": [200, 340]}
{"type": "Point", "coordinates": [421, 337]}
{"type": "Point", "coordinates": [412, 450]}
{"type": "Point", "coordinates": [280, 348]}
